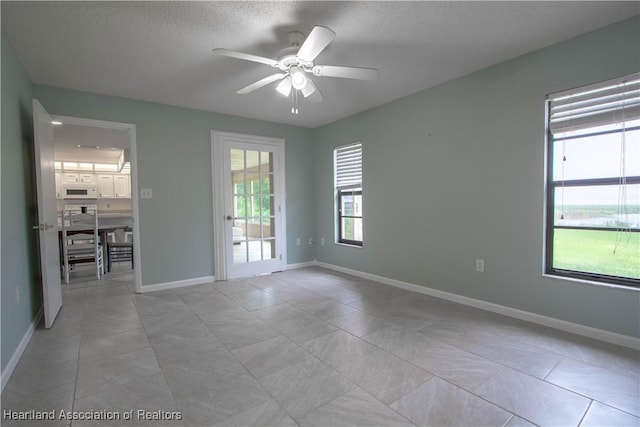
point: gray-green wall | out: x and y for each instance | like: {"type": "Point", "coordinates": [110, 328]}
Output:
{"type": "Point", "coordinates": [174, 160]}
{"type": "Point", "coordinates": [456, 173]}
{"type": "Point", "coordinates": [20, 269]}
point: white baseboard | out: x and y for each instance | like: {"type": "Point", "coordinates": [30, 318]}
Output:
{"type": "Point", "coordinates": [302, 265]}
{"type": "Point", "coordinates": [587, 331]}
{"type": "Point", "coordinates": [206, 279]}
{"type": "Point", "coordinates": [177, 284]}
{"type": "Point", "coordinates": [17, 354]}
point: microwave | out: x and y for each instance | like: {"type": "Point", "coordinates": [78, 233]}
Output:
{"type": "Point", "coordinates": [79, 191]}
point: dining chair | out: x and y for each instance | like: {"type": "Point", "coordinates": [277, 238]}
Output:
{"type": "Point", "coordinates": [120, 249]}
{"type": "Point", "coordinates": [81, 242]}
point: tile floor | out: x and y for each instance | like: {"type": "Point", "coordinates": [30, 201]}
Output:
{"type": "Point", "coordinates": [312, 347]}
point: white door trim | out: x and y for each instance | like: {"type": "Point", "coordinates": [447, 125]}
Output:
{"type": "Point", "coordinates": [131, 128]}
{"type": "Point", "coordinates": [219, 214]}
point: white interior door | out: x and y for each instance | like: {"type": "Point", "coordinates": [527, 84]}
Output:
{"type": "Point", "coordinates": [47, 213]}
{"type": "Point", "coordinates": [252, 197]}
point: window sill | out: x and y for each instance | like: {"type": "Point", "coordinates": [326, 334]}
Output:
{"type": "Point", "coordinates": [589, 282]}
{"type": "Point", "coordinates": [348, 245]}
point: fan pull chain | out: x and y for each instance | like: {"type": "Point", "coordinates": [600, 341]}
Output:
{"type": "Point", "coordinates": [294, 102]}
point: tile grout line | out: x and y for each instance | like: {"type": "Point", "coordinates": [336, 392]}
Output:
{"type": "Point", "coordinates": [164, 375]}
{"type": "Point", "coordinates": [75, 384]}
{"type": "Point", "coordinates": [585, 413]}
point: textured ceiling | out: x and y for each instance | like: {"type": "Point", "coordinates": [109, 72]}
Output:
{"type": "Point", "coordinates": [161, 51]}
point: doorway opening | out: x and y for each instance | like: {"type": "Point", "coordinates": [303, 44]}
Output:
{"type": "Point", "coordinates": [95, 171]}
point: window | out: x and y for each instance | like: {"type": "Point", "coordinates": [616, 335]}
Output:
{"type": "Point", "coordinates": [593, 183]}
{"type": "Point", "coordinates": [105, 167]}
{"type": "Point", "coordinates": [348, 182]}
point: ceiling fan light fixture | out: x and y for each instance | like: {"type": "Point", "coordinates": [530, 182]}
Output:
{"type": "Point", "coordinates": [284, 87]}
{"type": "Point", "coordinates": [298, 79]}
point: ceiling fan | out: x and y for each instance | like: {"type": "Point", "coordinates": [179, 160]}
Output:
{"type": "Point", "coordinates": [296, 61]}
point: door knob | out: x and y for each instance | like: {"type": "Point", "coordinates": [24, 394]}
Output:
{"type": "Point", "coordinates": [229, 217]}
{"type": "Point", "coordinates": [43, 227]}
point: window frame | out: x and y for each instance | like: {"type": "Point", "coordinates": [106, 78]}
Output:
{"type": "Point", "coordinates": [347, 184]}
{"type": "Point", "coordinates": [352, 192]}
{"type": "Point", "coordinates": [551, 186]}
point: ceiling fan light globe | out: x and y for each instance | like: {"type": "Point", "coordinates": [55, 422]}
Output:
{"type": "Point", "coordinates": [284, 87]}
{"type": "Point", "coordinates": [308, 89]}
{"type": "Point", "coordinates": [298, 79]}
{"type": "Point", "coordinates": [299, 83]}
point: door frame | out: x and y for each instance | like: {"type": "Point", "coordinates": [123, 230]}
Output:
{"type": "Point", "coordinates": [131, 128]}
{"type": "Point", "coordinates": [218, 138]}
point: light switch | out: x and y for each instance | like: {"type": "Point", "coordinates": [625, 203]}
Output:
{"type": "Point", "coordinates": [146, 193]}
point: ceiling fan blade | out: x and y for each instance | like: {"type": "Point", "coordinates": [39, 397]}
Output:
{"type": "Point", "coordinates": [261, 83]}
{"type": "Point", "coordinates": [311, 92]}
{"type": "Point", "coordinates": [345, 72]}
{"type": "Point", "coordinates": [318, 39]}
{"type": "Point", "coordinates": [246, 56]}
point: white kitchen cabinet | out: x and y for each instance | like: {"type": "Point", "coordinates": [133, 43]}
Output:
{"type": "Point", "coordinates": [105, 186]}
{"type": "Point", "coordinates": [109, 185]}
{"type": "Point", "coordinates": [59, 185]}
{"type": "Point", "coordinates": [87, 178]}
{"type": "Point", "coordinates": [122, 186]}
{"type": "Point", "coordinates": [78, 177]}
{"type": "Point", "coordinates": [70, 177]}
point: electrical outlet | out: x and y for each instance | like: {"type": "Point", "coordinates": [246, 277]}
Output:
{"type": "Point", "coordinates": [18, 295]}
{"type": "Point", "coordinates": [480, 265]}
{"type": "Point", "coordinates": [322, 241]}
{"type": "Point", "coordinates": [146, 193]}
{"type": "Point", "coordinates": [298, 241]}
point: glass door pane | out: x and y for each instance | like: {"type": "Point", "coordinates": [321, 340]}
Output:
{"type": "Point", "coordinates": [253, 202]}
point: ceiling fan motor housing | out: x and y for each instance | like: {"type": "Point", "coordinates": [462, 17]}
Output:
{"type": "Point", "coordinates": [287, 57]}
{"type": "Point", "coordinates": [295, 38]}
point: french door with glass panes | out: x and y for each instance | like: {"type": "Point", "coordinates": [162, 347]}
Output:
{"type": "Point", "coordinates": [253, 205]}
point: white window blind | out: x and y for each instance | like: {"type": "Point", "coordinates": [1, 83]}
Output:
{"type": "Point", "coordinates": [604, 103]}
{"type": "Point", "coordinates": [348, 165]}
